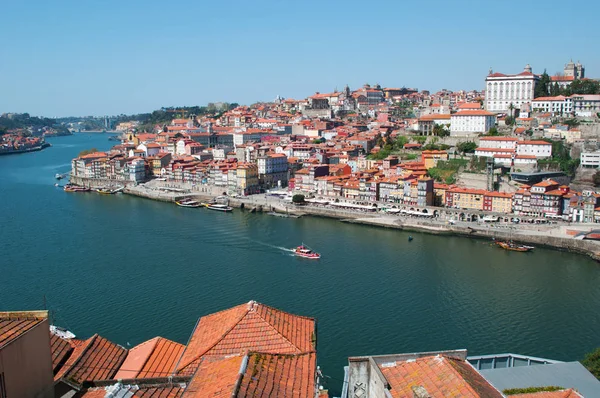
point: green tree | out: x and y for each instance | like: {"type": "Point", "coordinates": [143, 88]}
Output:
{"type": "Point", "coordinates": [592, 362]}
{"type": "Point", "coordinates": [509, 120]}
{"type": "Point", "coordinates": [87, 152]}
{"type": "Point", "coordinates": [466, 147]}
{"type": "Point", "coordinates": [420, 139]}
{"type": "Point", "coordinates": [543, 85]}
{"type": "Point", "coordinates": [298, 198]}
{"type": "Point", "coordinates": [439, 130]}
{"type": "Point", "coordinates": [400, 141]}
{"type": "Point", "coordinates": [493, 132]}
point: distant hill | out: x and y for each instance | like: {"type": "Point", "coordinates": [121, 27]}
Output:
{"type": "Point", "coordinates": [23, 121]}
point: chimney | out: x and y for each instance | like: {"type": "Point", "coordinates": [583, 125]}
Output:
{"type": "Point", "coordinates": [420, 392]}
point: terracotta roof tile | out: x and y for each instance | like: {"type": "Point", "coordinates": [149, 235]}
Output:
{"type": "Point", "coordinates": [12, 325]}
{"type": "Point", "coordinates": [215, 377]}
{"type": "Point", "coordinates": [440, 375]}
{"type": "Point", "coordinates": [118, 390]}
{"type": "Point", "coordinates": [251, 326]}
{"type": "Point", "coordinates": [153, 358]}
{"type": "Point", "coordinates": [99, 359]}
{"type": "Point", "coordinates": [269, 375]}
{"type": "Point", "coordinates": [61, 349]}
{"type": "Point", "coordinates": [570, 393]}
{"type": "Point", "coordinates": [255, 375]}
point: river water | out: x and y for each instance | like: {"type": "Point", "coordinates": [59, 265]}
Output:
{"type": "Point", "coordinates": [131, 269]}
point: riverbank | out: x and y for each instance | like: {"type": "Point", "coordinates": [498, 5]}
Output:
{"type": "Point", "coordinates": [554, 237]}
{"type": "Point", "coordinates": [26, 150]}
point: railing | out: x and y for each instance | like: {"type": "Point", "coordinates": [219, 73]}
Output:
{"type": "Point", "coordinates": [499, 361]}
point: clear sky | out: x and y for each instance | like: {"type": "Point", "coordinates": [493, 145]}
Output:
{"type": "Point", "coordinates": [92, 57]}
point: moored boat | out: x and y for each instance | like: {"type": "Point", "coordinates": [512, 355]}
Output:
{"type": "Point", "coordinates": [304, 251]}
{"type": "Point", "coordinates": [108, 191]}
{"type": "Point", "coordinates": [188, 203]}
{"type": "Point", "coordinates": [75, 188]}
{"type": "Point", "coordinates": [219, 207]}
{"type": "Point", "coordinates": [514, 247]}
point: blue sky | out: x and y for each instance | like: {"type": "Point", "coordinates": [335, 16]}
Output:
{"type": "Point", "coordinates": [94, 57]}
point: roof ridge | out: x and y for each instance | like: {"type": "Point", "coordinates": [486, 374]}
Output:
{"type": "Point", "coordinates": [278, 332]}
{"type": "Point", "coordinates": [178, 368]}
{"type": "Point", "coordinates": [457, 373]}
{"type": "Point", "coordinates": [285, 312]}
{"type": "Point", "coordinates": [83, 351]}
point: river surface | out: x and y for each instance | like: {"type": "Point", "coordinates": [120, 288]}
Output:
{"type": "Point", "coordinates": [131, 269]}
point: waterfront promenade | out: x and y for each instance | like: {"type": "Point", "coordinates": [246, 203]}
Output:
{"type": "Point", "coordinates": [557, 235]}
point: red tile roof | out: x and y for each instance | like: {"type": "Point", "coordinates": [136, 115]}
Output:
{"type": "Point", "coordinates": [440, 375]}
{"type": "Point", "coordinates": [251, 326]}
{"type": "Point", "coordinates": [153, 358]}
{"type": "Point", "coordinates": [61, 349]}
{"type": "Point", "coordinates": [269, 375]}
{"type": "Point", "coordinates": [255, 375]}
{"type": "Point", "coordinates": [474, 112]}
{"type": "Point", "coordinates": [95, 359]}
{"type": "Point", "coordinates": [136, 391]}
{"type": "Point", "coordinates": [570, 393]}
{"type": "Point", "coordinates": [14, 324]}
{"type": "Point", "coordinates": [215, 377]}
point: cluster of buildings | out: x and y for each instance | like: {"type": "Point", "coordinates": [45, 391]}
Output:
{"type": "Point", "coordinates": [328, 144]}
{"type": "Point", "coordinates": [16, 142]}
{"type": "Point", "coordinates": [254, 350]}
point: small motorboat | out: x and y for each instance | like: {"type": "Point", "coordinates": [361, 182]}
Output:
{"type": "Point", "coordinates": [410, 238]}
{"type": "Point", "coordinates": [59, 176]}
{"type": "Point", "coordinates": [61, 332]}
{"type": "Point", "coordinates": [514, 247]}
{"type": "Point", "coordinates": [75, 188]}
{"type": "Point", "coordinates": [188, 203]}
{"type": "Point", "coordinates": [219, 207]}
{"type": "Point", "coordinates": [304, 251]}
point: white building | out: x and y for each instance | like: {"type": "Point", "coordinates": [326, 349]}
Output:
{"type": "Point", "coordinates": [503, 90]}
{"type": "Point", "coordinates": [498, 142]}
{"type": "Point", "coordinates": [471, 121]}
{"type": "Point", "coordinates": [272, 169]}
{"type": "Point", "coordinates": [590, 159]}
{"type": "Point", "coordinates": [559, 105]}
{"type": "Point", "coordinates": [136, 170]}
{"type": "Point", "coordinates": [586, 105]}
{"type": "Point", "coordinates": [539, 149]}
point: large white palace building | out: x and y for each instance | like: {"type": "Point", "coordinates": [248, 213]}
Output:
{"type": "Point", "coordinates": [503, 90]}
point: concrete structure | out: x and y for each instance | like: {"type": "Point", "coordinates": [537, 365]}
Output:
{"type": "Point", "coordinates": [471, 121]}
{"type": "Point", "coordinates": [419, 375]}
{"type": "Point", "coordinates": [508, 371]}
{"type": "Point", "coordinates": [586, 105]}
{"type": "Point", "coordinates": [590, 159]}
{"type": "Point", "coordinates": [25, 356]}
{"type": "Point", "coordinates": [503, 90]}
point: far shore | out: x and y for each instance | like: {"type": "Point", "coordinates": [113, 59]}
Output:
{"type": "Point", "coordinates": [549, 236]}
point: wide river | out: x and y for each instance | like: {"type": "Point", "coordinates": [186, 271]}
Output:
{"type": "Point", "coordinates": [131, 269]}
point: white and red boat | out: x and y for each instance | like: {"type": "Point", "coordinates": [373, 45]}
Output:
{"type": "Point", "coordinates": [304, 251]}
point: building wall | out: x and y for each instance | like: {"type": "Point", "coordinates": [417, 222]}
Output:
{"type": "Point", "coordinates": [590, 159]}
{"type": "Point", "coordinates": [26, 364]}
{"type": "Point", "coordinates": [502, 91]}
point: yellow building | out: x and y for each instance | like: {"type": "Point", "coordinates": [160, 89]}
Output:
{"type": "Point", "coordinates": [431, 158]}
{"type": "Point", "coordinates": [501, 202]}
{"type": "Point", "coordinates": [464, 198]}
{"type": "Point", "coordinates": [247, 178]}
